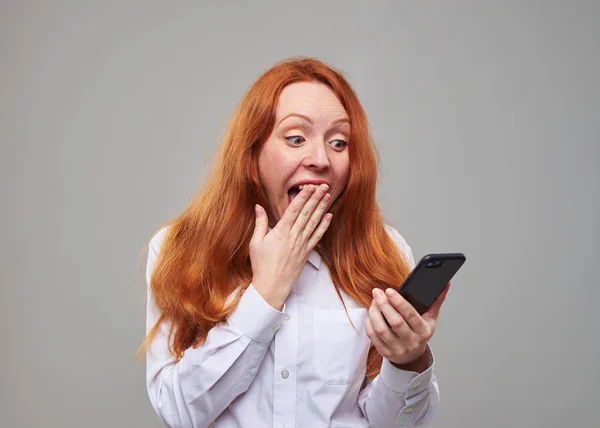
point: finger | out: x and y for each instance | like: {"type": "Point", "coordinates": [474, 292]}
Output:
{"type": "Point", "coordinates": [293, 210]}
{"type": "Point", "coordinates": [382, 329]}
{"type": "Point", "coordinates": [317, 215]}
{"type": "Point", "coordinates": [408, 312]}
{"type": "Point", "coordinates": [306, 217]}
{"type": "Point", "coordinates": [433, 312]}
{"type": "Point", "coordinates": [394, 319]}
{"type": "Point", "coordinates": [261, 224]}
{"type": "Point", "coordinates": [375, 339]}
{"type": "Point", "coordinates": [318, 234]}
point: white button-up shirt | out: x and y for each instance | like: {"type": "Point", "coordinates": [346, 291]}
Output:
{"type": "Point", "coordinates": [301, 367]}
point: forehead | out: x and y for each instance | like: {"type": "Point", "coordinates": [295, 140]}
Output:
{"type": "Point", "coordinates": [311, 99]}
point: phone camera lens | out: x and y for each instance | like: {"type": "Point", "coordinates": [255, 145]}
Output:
{"type": "Point", "coordinates": [434, 263]}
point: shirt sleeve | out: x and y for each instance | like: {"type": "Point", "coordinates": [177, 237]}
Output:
{"type": "Point", "coordinates": [194, 391]}
{"type": "Point", "coordinates": [400, 398]}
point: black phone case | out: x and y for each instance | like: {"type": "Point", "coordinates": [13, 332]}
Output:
{"type": "Point", "coordinates": [425, 283]}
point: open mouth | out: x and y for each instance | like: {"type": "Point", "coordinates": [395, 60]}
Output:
{"type": "Point", "coordinates": [293, 192]}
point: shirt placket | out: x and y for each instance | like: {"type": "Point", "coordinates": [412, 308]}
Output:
{"type": "Point", "coordinates": [285, 373]}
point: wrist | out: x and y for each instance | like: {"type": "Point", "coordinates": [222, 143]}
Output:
{"type": "Point", "coordinates": [419, 364]}
{"type": "Point", "coordinates": [272, 295]}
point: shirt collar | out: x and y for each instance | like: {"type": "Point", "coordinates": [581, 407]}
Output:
{"type": "Point", "coordinates": [314, 258]}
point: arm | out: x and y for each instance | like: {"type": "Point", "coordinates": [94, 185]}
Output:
{"type": "Point", "coordinates": [400, 398]}
{"type": "Point", "coordinates": [402, 395]}
{"type": "Point", "coordinates": [195, 390]}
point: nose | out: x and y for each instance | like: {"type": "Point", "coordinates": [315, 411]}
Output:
{"type": "Point", "coordinates": [317, 156]}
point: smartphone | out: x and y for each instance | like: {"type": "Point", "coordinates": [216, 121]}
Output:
{"type": "Point", "coordinates": [429, 278]}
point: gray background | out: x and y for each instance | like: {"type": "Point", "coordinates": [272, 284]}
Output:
{"type": "Point", "coordinates": [486, 115]}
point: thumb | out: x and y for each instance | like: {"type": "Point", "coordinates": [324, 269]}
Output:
{"type": "Point", "coordinates": [261, 225]}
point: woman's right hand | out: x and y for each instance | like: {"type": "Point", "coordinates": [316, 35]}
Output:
{"type": "Point", "coordinates": [278, 257]}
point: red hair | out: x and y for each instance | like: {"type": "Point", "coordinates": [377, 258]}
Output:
{"type": "Point", "coordinates": [205, 255]}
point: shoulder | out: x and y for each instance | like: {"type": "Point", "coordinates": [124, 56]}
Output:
{"type": "Point", "coordinates": [396, 237]}
{"type": "Point", "coordinates": [154, 250]}
{"type": "Point", "coordinates": [157, 241]}
{"type": "Point", "coordinates": [401, 243]}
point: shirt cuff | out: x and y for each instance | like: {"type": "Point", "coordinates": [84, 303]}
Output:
{"type": "Point", "coordinates": [404, 381]}
{"type": "Point", "coordinates": [255, 318]}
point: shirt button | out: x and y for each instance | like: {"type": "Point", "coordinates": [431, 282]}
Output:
{"type": "Point", "coordinates": [409, 409]}
{"type": "Point", "coordinates": [253, 371]}
{"type": "Point", "coordinates": [285, 374]}
{"type": "Point", "coordinates": [286, 317]}
{"type": "Point", "coordinates": [276, 327]}
{"type": "Point", "coordinates": [414, 385]}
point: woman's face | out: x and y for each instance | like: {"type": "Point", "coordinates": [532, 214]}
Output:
{"type": "Point", "coordinates": [308, 145]}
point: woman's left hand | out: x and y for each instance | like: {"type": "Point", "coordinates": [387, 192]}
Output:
{"type": "Point", "coordinates": [405, 339]}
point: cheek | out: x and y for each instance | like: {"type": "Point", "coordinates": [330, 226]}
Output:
{"type": "Point", "coordinates": [280, 159]}
{"type": "Point", "coordinates": [343, 170]}
{"type": "Point", "coordinates": [274, 166]}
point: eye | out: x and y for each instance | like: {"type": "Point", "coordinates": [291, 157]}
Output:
{"type": "Point", "coordinates": [342, 142]}
{"type": "Point", "coordinates": [290, 138]}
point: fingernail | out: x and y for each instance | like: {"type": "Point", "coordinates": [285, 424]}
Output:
{"type": "Point", "coordinates": [390, 292]}
{"type": "Point", "coordinates": [324, 187]}
{"type": "Point", "coordinates": [376, 292]}
{"type": "Point", "coordinates": [257, 209]}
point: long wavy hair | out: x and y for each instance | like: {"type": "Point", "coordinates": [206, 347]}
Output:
{"type": "Point", "coordinates": [205, 255]}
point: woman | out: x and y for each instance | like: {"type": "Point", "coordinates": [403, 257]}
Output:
{"type": "Point", "coordinates": [268, 297]}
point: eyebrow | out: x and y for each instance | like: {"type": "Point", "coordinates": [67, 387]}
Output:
{"type": "Point", "coordinates": [309, 120]}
